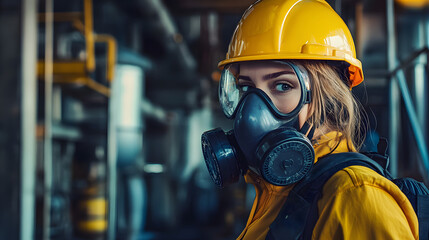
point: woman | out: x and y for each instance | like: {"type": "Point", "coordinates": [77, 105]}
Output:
{"type": "Point", "coordinates": [286, 83]}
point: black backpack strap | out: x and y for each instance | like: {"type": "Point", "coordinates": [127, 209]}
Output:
{"type": "Point", "coordinates": [418, 195]}
{"type": "Point", "coordinates": [299, 214]}
{"type": "Point", "coordinates": [330, 164]}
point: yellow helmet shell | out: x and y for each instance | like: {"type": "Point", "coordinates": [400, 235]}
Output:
{"type": "Point", "coordinates": [293, 29]}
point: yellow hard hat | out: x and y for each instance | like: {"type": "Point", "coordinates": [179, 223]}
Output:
{"type": "Point", "coordinates": [293, 29]}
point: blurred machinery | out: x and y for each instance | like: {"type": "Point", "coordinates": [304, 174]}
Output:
{"type": "Point", "coordinates": [88, 195]}
{"type": "Point", "coordinates": [102, 106]}
{"type": "Point", "coordinates": [116, 145]}
{"type": "Point", "coordinates": [75, 116]}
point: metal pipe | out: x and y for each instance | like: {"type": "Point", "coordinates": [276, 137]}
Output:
{"type": "Point", "coordinates": [398, 83]}
{"type": "Point", "coordinates": [420, 86]}
{"type": "Point", "coordinates": [28, 120]}
{"type": "Point", "coordinates": [111, 53]}
{"type": "Point", "coordinates": [359, 16]}
{"type": "Point", "coordinates": [89, 35]}
{"type": "Point", "coordinates": [384, 74]}
{"type": "Point", "coordinates": [151, 111]}
{"type": "Point", "coordinates": [425, 69]}
{"type": "Point", "coordinates": [167, 26]}
{"type": "Point", "coordinates": [129, 124]}
{"type": "Point", "coordinates": [420, 93]}
{"type": "Point", "coordinates": [418, 135]}
{"type": "Point", "coordinates": [394, 98]}
{"type": "Point", "coordinates": [111, 160]}
{"type": "Point", "coordinates": [49, 38]}
{"type": "Point", "coordinates": [419, 78]}
{"type": "Point", "coordinates": [338, 7]}
{"type": "Point", "coordinates": [56, 104]}
{"type": "Point", "coordinates": [406, 63]}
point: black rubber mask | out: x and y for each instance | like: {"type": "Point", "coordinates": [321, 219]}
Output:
{"type": "Point", "coordinates": [267, 141]}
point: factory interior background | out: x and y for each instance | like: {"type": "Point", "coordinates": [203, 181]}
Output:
{"type": "Point", "coordinates": [103, 103]}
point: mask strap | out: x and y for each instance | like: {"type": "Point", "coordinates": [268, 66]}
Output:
{"type": "Point", "coordinates": [307, 130]}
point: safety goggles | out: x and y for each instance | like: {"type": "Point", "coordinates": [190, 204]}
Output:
{"type": "Point", "coordinates": [284, 86]}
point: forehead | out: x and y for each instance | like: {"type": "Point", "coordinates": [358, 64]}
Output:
{"type": "Point", "coordinates": [262, 67]}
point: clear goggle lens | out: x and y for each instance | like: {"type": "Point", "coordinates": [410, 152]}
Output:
{"type": "Point", "coordinates": [286, 85]}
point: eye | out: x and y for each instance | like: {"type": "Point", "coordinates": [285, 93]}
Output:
{"type": "Point", "coordinates": [282, 87]}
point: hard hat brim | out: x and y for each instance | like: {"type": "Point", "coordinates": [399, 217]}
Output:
{"type": "Point", "coordinates": [355, 69]}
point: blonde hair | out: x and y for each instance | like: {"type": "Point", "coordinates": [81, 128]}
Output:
{"type": "Point", "coordinates": [333, 106]}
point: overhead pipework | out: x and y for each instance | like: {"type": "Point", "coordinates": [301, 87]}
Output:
{"type": "Point", "coordinates": [166, 27]}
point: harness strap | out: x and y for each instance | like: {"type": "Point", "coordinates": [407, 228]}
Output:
{"type": "Point", "coordinates": [299, 214]}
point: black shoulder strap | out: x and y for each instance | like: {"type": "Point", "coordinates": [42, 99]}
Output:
{"type": "Point", "coordinates": [299, 214]}
{"type": "Point", "coordinates": [330, 164]}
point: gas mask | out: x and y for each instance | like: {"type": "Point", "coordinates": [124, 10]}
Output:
{"type": "Point", "coordinates": [264, 139]}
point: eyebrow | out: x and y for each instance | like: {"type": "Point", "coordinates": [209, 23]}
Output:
{"type": "Point", "coordinates": [277, 74]}
{"type": "Point", "coordinates": [268, 76]}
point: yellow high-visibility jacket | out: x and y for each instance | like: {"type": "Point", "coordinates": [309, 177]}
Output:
{"type": "Point", "coordinates": [357, 203]}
